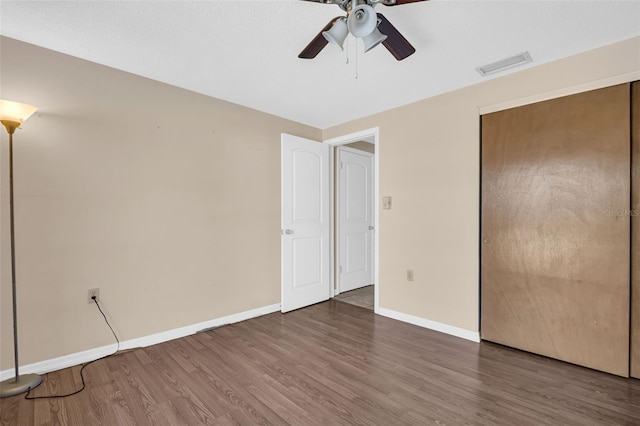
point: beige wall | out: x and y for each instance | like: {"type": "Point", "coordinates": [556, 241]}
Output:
{"type": "Point", "coordinates": [429, 164]}
{"type": "Point", "coordinates": [362, 146]}
{"type": "Point", "coordinates": [166, 200]}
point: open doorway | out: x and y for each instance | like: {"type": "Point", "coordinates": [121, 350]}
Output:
{"type": "Point", "coordinates": [355, 222]}
{"type": "Point", "coordinates": [354, 219]}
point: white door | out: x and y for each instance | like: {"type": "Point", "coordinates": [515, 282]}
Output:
{"type": "Point", "coordinates": [355, 224]}
{"type": "Point", "coordinates": [306, 224]}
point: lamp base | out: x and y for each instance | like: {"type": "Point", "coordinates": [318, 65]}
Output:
{"type": "Point", "coordinates": [12, 387]}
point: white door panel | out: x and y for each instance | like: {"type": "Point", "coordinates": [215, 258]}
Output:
{"type": "Point", "coordinates": [305, 223]}
{"type": "Point", "coordinates": [355, 226]}
{"type": "Point", "coordinates": [356, 253]}
{"type": "Point", "coordinates": [307, 185]}
{"type": "Point", "coordinates": [307, 257]}
{"type": "Point", "coordinates": [355, 175]}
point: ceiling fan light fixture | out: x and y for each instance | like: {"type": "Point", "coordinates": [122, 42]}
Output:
{"type": "Point", "coordinates": [504, 64]}
{"type": "Point", "coordinates": [373, 39]}
{"type": "Point", "coordinates": [337, 33]}
{"type": "Point", "coordinates": [362, 21]}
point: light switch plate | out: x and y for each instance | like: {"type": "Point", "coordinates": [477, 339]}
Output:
{"type": "Point", "coordinates": [386, 202]}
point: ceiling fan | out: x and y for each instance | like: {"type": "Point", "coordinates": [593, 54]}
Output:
{"type": "Point", "coordinates": [362, 22]}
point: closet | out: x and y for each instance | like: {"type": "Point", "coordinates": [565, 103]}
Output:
{"type": "Point", "coordinates": [560, 229]}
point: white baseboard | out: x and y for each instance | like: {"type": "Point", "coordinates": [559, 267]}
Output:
{"type": "Point", "coordinates": [474, 336]}
{"type": "Point", "coordinates": [153, 339]}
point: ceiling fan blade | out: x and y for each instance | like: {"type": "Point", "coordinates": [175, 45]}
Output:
{"type": "Point", "coordinates": [332, 1]}
{"type": "Point", "coordinates": [395, 43]}
{"type": "Point", "coordinates": [318, 43]}
{"type": "Point", "coordinates": [396, 2]}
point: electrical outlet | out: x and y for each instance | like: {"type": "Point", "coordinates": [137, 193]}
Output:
{"type": "Point", "coordinates": [93, 292]}
{"type": "Point", "coordinates": [409, 274]}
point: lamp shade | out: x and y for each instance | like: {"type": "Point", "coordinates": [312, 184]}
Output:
{"type": "Point", "coordinates": [337, 33]}
{"type": "Point", "coordinates": [15, 111]}
{"type": "Point", "coordinates": [362, 21]}
{"type": "Point", "coordinates": [373, 39]}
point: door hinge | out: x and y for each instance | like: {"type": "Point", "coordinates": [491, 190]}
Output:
{"type": "Point", "coordinates": [340, 268]}
{"type": "Point", "coordinates": [341, 165]}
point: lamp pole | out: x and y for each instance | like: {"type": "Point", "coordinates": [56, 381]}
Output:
{"type": "Point", "coordinates": [19, 384]}
{"type": "Point", "coordinates": [11, 129]}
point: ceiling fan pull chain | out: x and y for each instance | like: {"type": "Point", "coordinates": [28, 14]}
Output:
{"type": "Point", "coordinates": [347, 52]}
{"type": "Point", "coordinates": [356, 49]}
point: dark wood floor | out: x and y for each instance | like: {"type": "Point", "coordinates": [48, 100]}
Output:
{"type": "Point", "coordinates": [332, 363]}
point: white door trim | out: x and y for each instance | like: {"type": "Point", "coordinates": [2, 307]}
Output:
{"type": "Point", "coordinates": [372, 136]}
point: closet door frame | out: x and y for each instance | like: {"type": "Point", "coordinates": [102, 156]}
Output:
{"type": "Point", "coordinates": [635, 231]}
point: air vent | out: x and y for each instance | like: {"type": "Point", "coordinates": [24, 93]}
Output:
{"type": "Point", "coordinates": [513, 61]}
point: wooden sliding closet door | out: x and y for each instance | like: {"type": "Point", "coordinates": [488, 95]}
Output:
{"type": "Point", "coordinates": [555, 228]}
{"type": "Point", "coordinates": [635, 231]}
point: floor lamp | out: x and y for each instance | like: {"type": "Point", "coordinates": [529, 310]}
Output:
{"type": "Point", "coordinates": [12, 115]}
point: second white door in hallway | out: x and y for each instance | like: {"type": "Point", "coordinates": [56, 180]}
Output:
{"type": "Point", "coordinates": [355, 219]}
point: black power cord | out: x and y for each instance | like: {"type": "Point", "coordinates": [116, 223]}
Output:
{"type": "Point", "coordinates": [95, 300]}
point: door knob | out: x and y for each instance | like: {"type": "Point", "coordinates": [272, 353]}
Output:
{"type": "Point", "coordinates": [288, 231]}
{"type": "Point", "coordinates": [486, 240]}
{"type": "Point", "coordinates": [370, 228]}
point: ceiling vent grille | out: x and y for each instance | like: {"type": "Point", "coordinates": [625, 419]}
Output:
{"type": "Point", "coordinates": [504, 64]}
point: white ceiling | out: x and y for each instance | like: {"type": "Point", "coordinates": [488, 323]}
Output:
{"type": "Point", "coordinates": [246, 51]}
